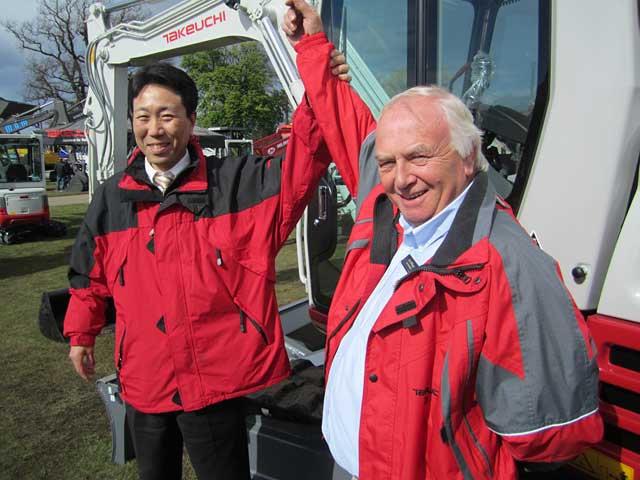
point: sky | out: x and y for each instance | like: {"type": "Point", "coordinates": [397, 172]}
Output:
{"type": "Point", "coordinates": [11, 56]}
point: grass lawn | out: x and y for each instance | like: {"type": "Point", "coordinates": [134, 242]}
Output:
{"type": "Point", "coordinates": [51, 188]}
{"type": "Point", "coordinates": [53, 424]}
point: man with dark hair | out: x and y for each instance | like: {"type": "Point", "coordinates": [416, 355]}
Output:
{"type": "Point", "coordinates": [168, 76]}
{"type": "Point", "coordinates": [186, 246]}
{"type": "Point", "coordinates": [454, 349]}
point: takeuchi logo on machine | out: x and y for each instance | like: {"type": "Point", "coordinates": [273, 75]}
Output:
{"type": "Point", "coordinates": [194, 27]}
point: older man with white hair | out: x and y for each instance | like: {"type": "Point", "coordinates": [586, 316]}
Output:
{"type": "Point", "coordinates": [454, 349]}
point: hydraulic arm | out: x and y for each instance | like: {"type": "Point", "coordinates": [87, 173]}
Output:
{"type": "Point", "coordinates": [53, 110]}
{"type": "Point", "coordinates": [187, 27]}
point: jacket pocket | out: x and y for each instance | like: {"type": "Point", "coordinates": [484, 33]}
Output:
{"type": "Point", "coordinates": [475, 430]}
{"type": "Point", "coordinates": [349, 316]}
{"type": "Point", "coordinates": [244, 319]}
{"type": "Point", "coordinates": [120, 356]}
{"type": "Point", "coordinates": [116, 267]}
{"type": "Point", "coordinates": [477, 434]}
{"type": "Point", "coordinates": [118, 278]}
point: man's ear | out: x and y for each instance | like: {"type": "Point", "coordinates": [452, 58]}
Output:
{"type": "Point", "coordinates": [192, 117]}
{"type": "Point", "coordinates": [469, 163]}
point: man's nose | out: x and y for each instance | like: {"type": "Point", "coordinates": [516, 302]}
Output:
{"type": "Point", "coordinates": [404, 176]}
{"type": "Point", "coordinates": [155, 127]}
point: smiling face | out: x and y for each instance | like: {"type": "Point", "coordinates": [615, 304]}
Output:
{"type": "Point", "coordinates": [419, 169]}
{"type": "Point", "coordinates": [161, 125]}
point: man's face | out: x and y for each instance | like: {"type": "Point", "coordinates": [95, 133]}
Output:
{"type": "Point", "coordinates": [419, 169]}
{"type": "Point", "coordinates": [161, 125]}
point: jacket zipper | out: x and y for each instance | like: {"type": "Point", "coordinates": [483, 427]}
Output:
{"type": "Point", "coordinates": [243, 322]}
{"type": "Point", "coordinates": [121, 275]}
{"type": "Point", "coordinates": [336, 330]}
{"type": "Point", "coordinates": [121, 349]}
{"type": "Point", "coordinates": [459, 272]}
{"type": "Point", "coordinates": [259, 329]}
{"type": "Point", "coordinates": [243, 326]}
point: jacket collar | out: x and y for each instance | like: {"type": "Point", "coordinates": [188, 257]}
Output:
{"type": "Point", "coordinates": [462, 249]}
{"type": "Point", "coordinates": [385, 232]}
{"type": "Point", "coordinates": [135, 185]}
{"type": "Point", "coordinates": [470, 225]}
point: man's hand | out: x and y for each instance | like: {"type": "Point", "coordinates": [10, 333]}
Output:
{"type": "Point", "coordinates": [339, 66]}
{"type": "Point", "coordinates": [83, 361]}
{"type": "Point", "coordinates": [300, 19]}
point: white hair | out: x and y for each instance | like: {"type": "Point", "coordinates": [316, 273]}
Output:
{"type": "Point", "coordinates": [464, 135]}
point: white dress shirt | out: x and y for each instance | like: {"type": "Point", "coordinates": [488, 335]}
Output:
{"type": "Point", "coordinates": [184, 162]}
{"type": "Point", "coordinates": [343, 395]}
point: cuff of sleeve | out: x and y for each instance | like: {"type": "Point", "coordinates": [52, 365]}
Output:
{"type": "Point", "coordinates": [82, 340]}
{"type": "Point", "coordinates": [310, 41]}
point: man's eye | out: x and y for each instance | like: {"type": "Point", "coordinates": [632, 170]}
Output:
{"type": "Point", "coordinates": [420, 159]}
{"type": "Point", "coordinates": [142, 118]}
{"type": "Point", "coordinates": [167, 118]}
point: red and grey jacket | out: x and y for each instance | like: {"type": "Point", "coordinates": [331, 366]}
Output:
{"type": "Point", "coordinates": [192, 272]}
{"type": "Point", "coordinates": [481, 357]}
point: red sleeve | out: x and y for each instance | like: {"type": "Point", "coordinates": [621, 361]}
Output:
{"type": "Point", "coordinates": [556, 444]}
{"type": "Point", "coordinates": [344, 119]}
{"type": "Point", "coordinates": [306, 160]}
{"type": "Point", "coordinates": [85, 318]}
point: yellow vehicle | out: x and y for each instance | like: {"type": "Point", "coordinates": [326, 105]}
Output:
{"type": "Point", "coordinates": [50, 159]}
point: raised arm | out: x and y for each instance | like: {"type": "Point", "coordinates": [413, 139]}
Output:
{"type": "Point", "coordinates": [344, 119]}
{"type": "Point", "coordinates": [306, 160]}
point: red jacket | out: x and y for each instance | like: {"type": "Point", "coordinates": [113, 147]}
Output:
{"type": "Point", "coordinates": [480, 357]}
{"type": "Point", "coordinates": [192, 273]}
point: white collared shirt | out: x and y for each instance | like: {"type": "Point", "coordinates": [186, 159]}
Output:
{"type": "Point", "coordinates": [343, 395]}
{"type": "Point", "coordinates": [184, 162]}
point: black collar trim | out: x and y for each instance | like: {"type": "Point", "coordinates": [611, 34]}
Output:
{"type": "Point", "coordinates": [137, 171]}
{"type": "Point", "coordinates": [385, 234]}
{"type": "Point", "coordinates": [461, 234]}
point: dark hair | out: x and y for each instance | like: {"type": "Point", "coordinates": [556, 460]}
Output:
{"type": "Point", "coordinates": [167, 75]}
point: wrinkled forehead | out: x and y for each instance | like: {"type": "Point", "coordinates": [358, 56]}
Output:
{"type": "Point", "coordinates": [414, 116]}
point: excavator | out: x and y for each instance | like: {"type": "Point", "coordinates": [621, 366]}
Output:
{"type": "Point", "coordinates": [24, 205]}
{"type": "Point", "coordinates": [554, 86]}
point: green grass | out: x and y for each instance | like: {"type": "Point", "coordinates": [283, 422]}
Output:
{"type": "Point", "coordinates": [53, 424]}
{"type": "Point", "coordinates": [51, 188]}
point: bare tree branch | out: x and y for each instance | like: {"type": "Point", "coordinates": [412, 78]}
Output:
{"type": "Point", "coordinates": [56, 40]}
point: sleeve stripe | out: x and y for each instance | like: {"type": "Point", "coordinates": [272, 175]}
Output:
{"type": "Point", "coordinates": [546, 427]}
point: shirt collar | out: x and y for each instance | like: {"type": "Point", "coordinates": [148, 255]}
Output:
{"type": "Point", "coordinates": [176, 169]}
{"type": "Point", "coordinates": [433, 228]}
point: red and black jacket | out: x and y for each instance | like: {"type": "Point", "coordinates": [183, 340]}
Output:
{"type": "Point", "coordinates": [192, 272]}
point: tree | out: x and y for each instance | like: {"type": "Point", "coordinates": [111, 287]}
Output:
{"type": "Point", "coordinates": [238, 88]}
{"type": "Point", "coordinates": [57, 40]}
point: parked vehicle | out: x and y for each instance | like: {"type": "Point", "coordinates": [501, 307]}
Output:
{"type": "Point", "coordinates": [24, 205]}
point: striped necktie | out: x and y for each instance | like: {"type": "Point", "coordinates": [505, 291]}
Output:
{"type": "Point", "coordinates": [163, 180]}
